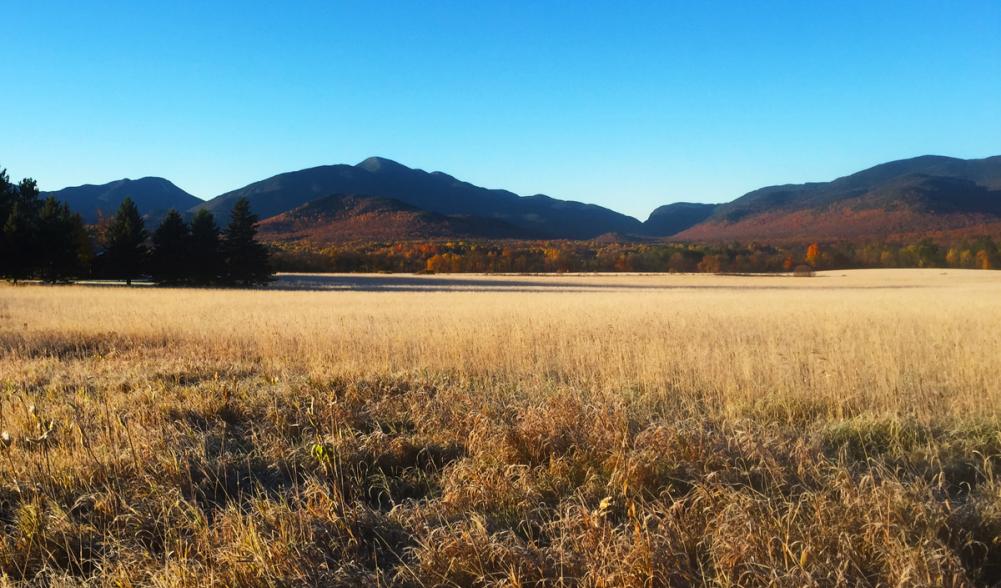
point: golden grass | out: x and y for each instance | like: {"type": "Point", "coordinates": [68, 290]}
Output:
{"type": "Point", "coordinates": [572, 430]}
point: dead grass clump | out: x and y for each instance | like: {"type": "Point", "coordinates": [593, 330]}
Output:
{"type": "Point", "coordinates": [43, 535]}
{"type": "Point", "coordinates": [466, 554]}
{"type": "Point", "coordinates": [668, 460]}
{"type": "Point", "coordinates": [954, 458]}
{"type": "Point", "coordinates": [974, 533]}
{"type": "Point", "coordinates": [504, 495]}
{"type": "Point", "coordinates": [850, 533]}
{"type": "Point", "coordinates": [313, 539]}
{"type": "Point", "coordinates": [628, 543]}
{"type": "Point", "coordinates": [382, 469]}
{"type": "Point", "coordinates": [562, 425]}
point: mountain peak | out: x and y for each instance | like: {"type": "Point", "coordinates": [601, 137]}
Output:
{"type": "Point", "coordinates": [151, 180]}
{"type": "Point", "coordinates": [377, 164]}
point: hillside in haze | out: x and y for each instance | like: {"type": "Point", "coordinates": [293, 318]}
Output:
{"type": "Point", "coordinates": [435, 192]}
{"type": "Point", "coordinates": [905, 198]}
{"type": "Point", "coordinates": [153, 196]}
{"type": "Point", "coordinates": [343, 218]}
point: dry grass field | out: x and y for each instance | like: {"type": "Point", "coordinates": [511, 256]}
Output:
{"type": "Point", "coordinates": [521, 431]}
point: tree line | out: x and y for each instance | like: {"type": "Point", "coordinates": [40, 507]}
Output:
{"type": "Point", "coordinates": [601, 256]}
{"type": "Point", "coordinates": [43, 239]}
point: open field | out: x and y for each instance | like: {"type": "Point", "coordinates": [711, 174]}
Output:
{"type": "Point", "coordinates": [506, 430]}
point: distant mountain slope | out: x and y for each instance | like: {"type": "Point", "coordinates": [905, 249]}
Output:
{"type": "Point", "coordinates": [670, 219]}
{"type": "Point", "coordinates": [927, 195]}
{"type": "Point", "coordinates": [343, 218]}
{"type": "Point", "coordinates": [153, 196]}
{"type": "Point", "coordinates": [910, 197]}
{"type": "Point", "coordinates": [434, 192]}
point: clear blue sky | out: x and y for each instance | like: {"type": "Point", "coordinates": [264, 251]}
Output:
{"type": "Point", "coordinates": [625, 104]}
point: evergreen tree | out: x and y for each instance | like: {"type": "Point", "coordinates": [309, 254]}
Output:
{"type": "Point", "coordinates": [20, 251]}
{"type": "Point", "coordinates": [205, 265]}
{"type": "Point", "coordinates": [246, 259]}
{"type": "Point", "coordinates": [63, 244]}
{"type": "Point", "coordinates": [126, 251]}
{"type": "Point", "coordinates": [6, 202]}
{"type": "Point", "coordinates": [170, 250]}
{"type": "Point", "coordinates": [27, 194]}
{"type": "Point", "coordinates": [7, 192]}
{"type": "Point", "coordinates": [20, 241]}
{"type": "Point", "coordinates": [82, 239]}
{"type": "Point", "coordinates": [39, 238]}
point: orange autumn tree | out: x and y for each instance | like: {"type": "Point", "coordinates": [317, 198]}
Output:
{"type": "Point", "coordinates": [812, 254]}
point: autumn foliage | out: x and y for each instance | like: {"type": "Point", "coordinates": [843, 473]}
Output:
{"type": "Point", "coordinates": [813, 254]}
{"type": "Point", "coordinates": [597, 256]}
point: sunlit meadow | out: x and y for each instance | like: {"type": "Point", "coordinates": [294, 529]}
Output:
{"type": "Point", "coordinates": [523, 430]}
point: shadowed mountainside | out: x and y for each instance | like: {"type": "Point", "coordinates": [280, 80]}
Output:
{"type": "Point", "coordinates": [922, 196]}
{"type": "Point", "coordinates": [898, 199]}
{"type": "Point", "coordinates": [154, 197]}
{"type": "Point", "coordinates": [435, 192]}
{"type": "Point", "coordinates": [669, 219]}
{"type": "Point", "coordinates": [341, 218]}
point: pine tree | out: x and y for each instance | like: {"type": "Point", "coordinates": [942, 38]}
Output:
{"type": "Point", "coordinates": [63, 245]}
{"type": "Point", "coordinates": [39, 238]}
{"type": "Point", "coordinates": [7, 192]}
{"type": "Point", "coordinates": [82, 243]}
{"type": "Point", "coordinates": [19, 230]}
{"type": "Point", "coordinates": [27, 194]}
{"type": "Point", "coordinates": [126, 243]}
{"type": "Point", "coordinates": [170, 250]}
{"type": "Point", "coordinates": [246, 259]}
{"type": "Point", "coordinates": [20, 240]}
{"type": "Point", "coordinates": [205, 266]}
{"type": "Point", "coordinates": [6, 202]}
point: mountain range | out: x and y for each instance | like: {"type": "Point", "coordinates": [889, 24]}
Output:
{"type": "Point", "coordinates": [435, 192]}
{"type": "Point", "coordinates": [380, 199]}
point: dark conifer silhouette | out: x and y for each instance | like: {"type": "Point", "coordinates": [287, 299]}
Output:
{"type": "Point", "coordinates": [63, 244]}
{"type": "Point", "coordinates": [246, 259]}
{"type": "Point", "coordinates": [205, 265]}
{"type": "Point", "coordinates": [20, 227]}
{"type": "Point", "coordinates": [126, 250]}
{"type": "Point", "coordinates": [170, 258]}
{"type": "Point", "coordinates": [26, 193]}
{"type": "Point", "coordinates": [19, 242]}
{"type": "Point", "coordinates": [7, 193]}
{"type": "Point", "coordinates": [6, 202]}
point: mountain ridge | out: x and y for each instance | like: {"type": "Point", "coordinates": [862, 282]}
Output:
{"type": "Point", "coordinates": [931, 194]}
{"type": "Point", "coordinates": [153, 195]}
{"type": "Point", "coordinates": [436, 192]}
{"type": "Point", "coordinates": [902, 198]}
